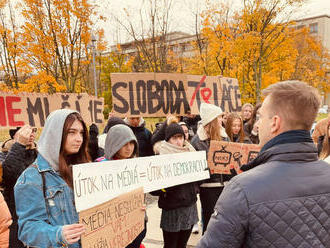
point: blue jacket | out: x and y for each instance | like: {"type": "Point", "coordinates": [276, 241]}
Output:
{"type": "Point", "coordinates": [37, 228]}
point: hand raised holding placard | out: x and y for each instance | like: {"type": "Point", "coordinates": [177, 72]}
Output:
{"type": "Point", "coordinates": [72, 233]}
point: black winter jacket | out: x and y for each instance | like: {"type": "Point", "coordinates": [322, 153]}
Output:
{"type": "Point", "coordinates": [248, 133]}
{"type": "Point", "coordinates": [177, 196]}
{"type": "Point", "coordinates": [283, 202]}
{"type": "Point", "coordinates": [143, 136]}
{"type": "Point", "coordinates": [16, 161]}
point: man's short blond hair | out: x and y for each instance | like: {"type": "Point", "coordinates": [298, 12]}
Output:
{"type": "Point", "coordinates": [295, 101]}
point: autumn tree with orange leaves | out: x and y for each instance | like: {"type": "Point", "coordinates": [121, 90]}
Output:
{"type": "Point", "coordinates": [259, 46]}
{"type": "Point", "coordinates": [57, 33]}
{"type": "Point", "coordinates": [50, 47]}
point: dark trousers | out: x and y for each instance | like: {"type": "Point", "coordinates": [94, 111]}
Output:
{"type": "Point", "coordinates": [208, 197]}
{"type": "Point", "coordinates": [138, 240]}
{"type": "Point", "coordinates": [13, 236]}
{"type": "Point", "coordinates": [176, 239]}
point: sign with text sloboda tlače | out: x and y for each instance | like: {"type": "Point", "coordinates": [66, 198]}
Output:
{"type": "Point", "coordinates": [33, 108]}
{"type": "Point", "coordinates": [115, 223]}
{"type": "Point", "coordinates": [223, 156]}
{"type": "Point", "coordinates": [96, 183]}
{"type": "Point", "coordinates": [160, 94]}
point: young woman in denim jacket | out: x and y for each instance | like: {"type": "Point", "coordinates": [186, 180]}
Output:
{"type": "Point", "coordinates": [43, 193]}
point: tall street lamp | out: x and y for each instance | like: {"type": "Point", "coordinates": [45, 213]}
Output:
{"type": "Point", "coordinates": [94, 66]}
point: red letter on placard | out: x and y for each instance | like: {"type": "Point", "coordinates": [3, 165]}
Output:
{"type": "Point", "coordinates": [3, 119]}
{"type": "Point", "coordinates": [11, 112]}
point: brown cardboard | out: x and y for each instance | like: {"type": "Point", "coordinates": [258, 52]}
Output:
{"type": "Point", "coordinates": [203, 89]}
{"type": "Point", "coordinates": [160, 94]}
{"type": "Point", "coordinates": [224, 156]}
{"type": "Point", "coordinates": [33, 108]}
{"type": "Point", "coordinates": [115, 223]}
{"type": "Point", "coordinates": [231, 97]}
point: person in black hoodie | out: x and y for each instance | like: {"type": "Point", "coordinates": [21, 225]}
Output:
{"type": "Point", "coordinates": [178, 203]}
{"type": "Point", "coordinates": [143, 135]}
{"type": "Point", "coordinates": [93, 147]}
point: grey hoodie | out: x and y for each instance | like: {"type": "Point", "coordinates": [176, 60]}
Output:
{"type": "Point", "coordinates": [116, 138]}
{"type": "Point", "coordinates": [49, 144]}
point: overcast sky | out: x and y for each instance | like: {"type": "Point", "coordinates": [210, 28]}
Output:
{"type": "Point", "coordinates": [181, 17]}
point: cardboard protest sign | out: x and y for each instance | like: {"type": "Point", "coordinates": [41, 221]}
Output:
{"type": "Point", "coordinates": [96, 183]}
{"type": "Point", "coordinates": [223, 156]}
{"type": "Point", "coordinates": [115, 223]}
{"type": "Point", "coordinates": [33, 108]}
{"type": "Point", "coordinates": [160, 94]}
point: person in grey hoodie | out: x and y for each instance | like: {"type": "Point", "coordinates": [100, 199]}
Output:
{"type": "Point", "coordinates": [44, 191]}
{"type": "Point", "coordinates": [121, 143]}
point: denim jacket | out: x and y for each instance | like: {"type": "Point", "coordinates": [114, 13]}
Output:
{"type": "Point", "coordinates": [41, 220]}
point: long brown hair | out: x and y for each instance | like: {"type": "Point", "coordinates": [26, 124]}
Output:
{"type": "Point", "coordinates": [229, 125]}
{"type": "Point", "coordinates": [213, 130]}
{"type": "Point", "coordinates": [325, 152]}
{"type": "Point", "coordinates": [82, 156]}
{"type": "Point", "coordinates": [253, 119]}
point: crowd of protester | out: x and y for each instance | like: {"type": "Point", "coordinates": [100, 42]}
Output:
{"type": "Point", "coordinates": [37, 207]}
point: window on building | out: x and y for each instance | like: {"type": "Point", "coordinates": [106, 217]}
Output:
{"type": "Point", "coordinates": [313, 28]}
{"type": "Point", "coordinates": [300, 26]}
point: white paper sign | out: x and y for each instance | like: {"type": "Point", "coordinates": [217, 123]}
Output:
{"type": "Point", "coordinates": [96, 183]}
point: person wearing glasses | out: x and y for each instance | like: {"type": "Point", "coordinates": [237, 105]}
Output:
{"type": "Point", "coordinates": [21, 154]}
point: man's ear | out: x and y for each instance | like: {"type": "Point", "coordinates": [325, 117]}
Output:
{"type": "Point", "coordinates": [276, 124]}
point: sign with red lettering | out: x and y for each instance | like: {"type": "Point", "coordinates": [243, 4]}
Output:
{"type": "Point", "coordinates": [160, 94]}
{"type": "Point", "coordinates": [33, 108]}
{"type": "Point", "coordinates": [224, 156]}
{"type": "Point", "coordinates": [115, 223]}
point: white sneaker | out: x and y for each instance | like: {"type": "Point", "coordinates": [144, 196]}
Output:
{"type": "Point", "coordinates": [195, 229]}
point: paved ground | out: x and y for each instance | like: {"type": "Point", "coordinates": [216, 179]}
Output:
{"type": "Point", "coordinates": [154, 238]}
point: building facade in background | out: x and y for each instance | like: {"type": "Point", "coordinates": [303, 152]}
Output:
{"type": "Point", "coordinates": [319, 26]}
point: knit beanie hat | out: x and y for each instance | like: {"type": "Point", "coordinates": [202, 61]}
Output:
{"type": "Point", "coordinates": [173, 129]}
{"type": "Point", "coordinates": [12, 132]}
{"type": "Point", "coordinates": [113, 121]}
{"type": "Point", "coordinates": [209, 112]}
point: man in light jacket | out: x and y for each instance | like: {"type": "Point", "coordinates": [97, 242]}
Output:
{"type": "Point", "coordinates": [284, 199]}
